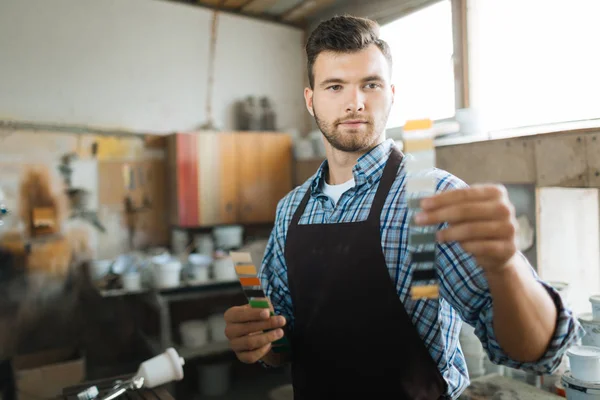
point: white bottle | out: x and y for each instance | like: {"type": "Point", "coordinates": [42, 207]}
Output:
{"type": "Point", "coordinates": [163, 368]}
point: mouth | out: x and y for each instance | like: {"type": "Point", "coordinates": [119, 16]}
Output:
{"type": "Point", "coordinates": [353, 123]}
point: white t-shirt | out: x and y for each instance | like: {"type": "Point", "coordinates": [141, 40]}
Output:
{"type": "Point", "coordinates": [334, 192]}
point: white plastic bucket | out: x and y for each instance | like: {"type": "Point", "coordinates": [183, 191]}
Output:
{"type": "Point", "coordinates": [585, 363]}
{"type": "Point", "coordinates": [204, 244]}
{"type": "Point", "coordinates": [228, 237]}
{"type": "Point", "coordinates": [214, 379]}
{"type": "Point", "coordinates": [199, 267]}
{"type": "Point", "coordinates": [132, 281]}
{"type": "Point", "coordinates": [579, 390]}
{"type": "Point", "coordinates": [216, 323]}
{"type": "Point", "coordinates": [194, 333]}
{"type": "Point", "coordinates": [592, 330]}
{"type": "Point", "coordinates": [595, 300]}
{"type": "Point", "coordinates": [224, 270]}
{"type": "Point", "coordinates": [167, 273]}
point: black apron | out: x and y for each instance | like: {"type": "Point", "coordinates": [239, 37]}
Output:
{"type": "Point", "coordinates": [352, 335]}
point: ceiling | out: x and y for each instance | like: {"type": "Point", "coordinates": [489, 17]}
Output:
{"type": "Point", "coordinates": [291, 12]}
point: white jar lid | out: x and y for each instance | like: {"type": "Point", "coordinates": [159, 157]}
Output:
{"type": "Point", "coordinates": [584, 352]}
{"type": "Point", "coordinates": [569, 381]}
{"type": "Point", "coordinates": [588, 319]}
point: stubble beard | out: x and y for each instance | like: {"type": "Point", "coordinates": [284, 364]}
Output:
{"type": "Point", "coordinates": [352, 140]}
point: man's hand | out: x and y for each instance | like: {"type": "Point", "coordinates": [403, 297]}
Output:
{"type": "Point", "coordinates": [244, 329]}
{"type": "Point", "coordinates": [480, 218]}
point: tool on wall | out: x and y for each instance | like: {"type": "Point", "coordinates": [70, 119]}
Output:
{"type": "Point", "coordinates": [209, 125]}
{"type": "Point", "coordinates": [134, 179]}
{"type": "Point", "coordinates": [78, 197]}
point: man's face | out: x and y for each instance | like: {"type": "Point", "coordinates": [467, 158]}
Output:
{"type": "Point", "coordinates": [351, 98]}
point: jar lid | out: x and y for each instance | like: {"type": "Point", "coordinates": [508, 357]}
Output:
{"type": "Point", "coordinates": [588, 318]}
{"type": "Point", "coordinates": [589, 352]}
{"type": "Point", "coordinates": [570, 382]}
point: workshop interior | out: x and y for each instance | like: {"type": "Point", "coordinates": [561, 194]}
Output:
{"type": "Point", "coordinates": [146, 146]}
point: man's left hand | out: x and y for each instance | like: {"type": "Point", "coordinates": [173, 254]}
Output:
{"type": "Point", "coordinates": [480, 218]}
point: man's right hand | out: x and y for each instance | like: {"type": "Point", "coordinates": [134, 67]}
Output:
{"type": "Point", "coordinates": [244, 329]}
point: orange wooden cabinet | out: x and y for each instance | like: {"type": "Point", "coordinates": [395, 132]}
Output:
{"type": "Point", "coordinates": [227, 178]}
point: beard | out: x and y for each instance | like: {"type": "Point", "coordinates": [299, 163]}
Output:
{"type": "Point", "coordinates": [352, 140]}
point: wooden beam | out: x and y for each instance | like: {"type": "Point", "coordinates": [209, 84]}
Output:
{"type": "Point", "coordinates": [258, 6]}
{"type": "Point", "coordinates": [461, 53]}
{"type": "Point", "coordinates": [241, 12]}
{"type": "Point", "coordinates": [304, 9]}
{"type": "Point", "coordinates": [235, 3]}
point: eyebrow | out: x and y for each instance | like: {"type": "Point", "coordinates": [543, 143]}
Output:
{"type": "Point", "coordinates": [330, 81]}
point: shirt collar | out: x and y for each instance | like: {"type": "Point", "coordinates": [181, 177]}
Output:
{"type": "Point", "coordinates": [368, 168]}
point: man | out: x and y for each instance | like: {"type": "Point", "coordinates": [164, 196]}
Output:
{"type": "Point", "coordinates": [337, 268]}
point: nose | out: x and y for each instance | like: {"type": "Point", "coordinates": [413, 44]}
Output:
{"type": "Point", "coordinates": [356, 101]}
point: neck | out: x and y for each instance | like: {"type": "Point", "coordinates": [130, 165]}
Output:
{"type": "Point", "coordinates": [341, 163]}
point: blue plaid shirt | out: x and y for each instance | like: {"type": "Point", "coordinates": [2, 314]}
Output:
{"type": "Point", "coordinates": [464, 292]}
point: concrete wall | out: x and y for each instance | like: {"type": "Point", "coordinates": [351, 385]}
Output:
{"type": "Point", "coordinates": [141, 65]}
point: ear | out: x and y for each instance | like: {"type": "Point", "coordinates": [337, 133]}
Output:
{"type": "Point", "coordinates": [308, 98]}
{"type": "Point", "coordinates": [393, 92]}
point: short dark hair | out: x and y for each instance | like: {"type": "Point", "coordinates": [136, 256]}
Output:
{"type": "Point", "coordinates": [343, 34]}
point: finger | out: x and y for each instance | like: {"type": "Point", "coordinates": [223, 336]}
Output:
{"type": "Point", "coordinates": [245, 313]}
{"type": "Point", "coordinates": [470, 231]}
{"type": "Point", "coordinates": [253, 342]}
{"type": "Point", "coordinates": [459, 213]}
{"type": "Point", "coordinates": [474, 193]}
{"type": "Point", "coordinates": [490, 248]}
{"type": "Point", "coordinates": [250, 357]}
{"type": "Point", "coordinates": [235, 330]}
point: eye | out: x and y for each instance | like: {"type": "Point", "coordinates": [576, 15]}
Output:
{"type": "Point", "coordinates": [335, 88]}
{"type": "Point", "coordinates": [373, 85]}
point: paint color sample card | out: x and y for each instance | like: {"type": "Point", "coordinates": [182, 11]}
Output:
{"type": "Point", "coordinates": [247, 274]}
{"type": "Point", "coordinates": [421, 239]}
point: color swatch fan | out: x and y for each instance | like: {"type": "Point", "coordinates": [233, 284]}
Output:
{"type": "Point", "coordinates": [420, 183]}
{"type": "Point", "coordinates": [247, 274]}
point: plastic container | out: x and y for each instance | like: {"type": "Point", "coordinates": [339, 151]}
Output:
{"type": "Point", "coordinates": [577, 389]}
{"type": "Point", "coordinates": [223, 269]}
{"type": "Point", "coordinates": [194, 333]}
{"type": "Point", "coordinates": [592, 330]}
{"type": "Point", "coordinates": [204, 244]}
{"type": "Point", "coordinates": [216, 324]}
{"type": "Point", "coordinates": [214, 379]}
{"type": "Point", "coordinates": [132, 281]}
{"type": "Point", "coordinates": [167, 272]}
{"type": "Point", "coordinates": [228, 237]}
{"type": "Point", "coordinates": [163, 368]}
{"type": "Point", "coordinates": [199, 265]}
{"type": "Point", "coordinates": [595, 300]}
{"type": "Point", "coordinates": [585, 363]}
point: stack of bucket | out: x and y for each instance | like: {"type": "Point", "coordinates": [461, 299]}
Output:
{"type": "Point", "coordinates": [582, 381]}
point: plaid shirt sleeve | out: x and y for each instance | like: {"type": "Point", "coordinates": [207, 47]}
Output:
{"type": "Point", "coordinates": [464, 286]}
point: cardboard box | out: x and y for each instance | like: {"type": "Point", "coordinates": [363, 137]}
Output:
{"type": "Point", "coordinates": [43, 375]}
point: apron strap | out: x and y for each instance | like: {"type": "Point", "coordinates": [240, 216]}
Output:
{"type": "Point", "coordinates": [301, 207]}
{"type": "Point", "coordinates": [385, 184]}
